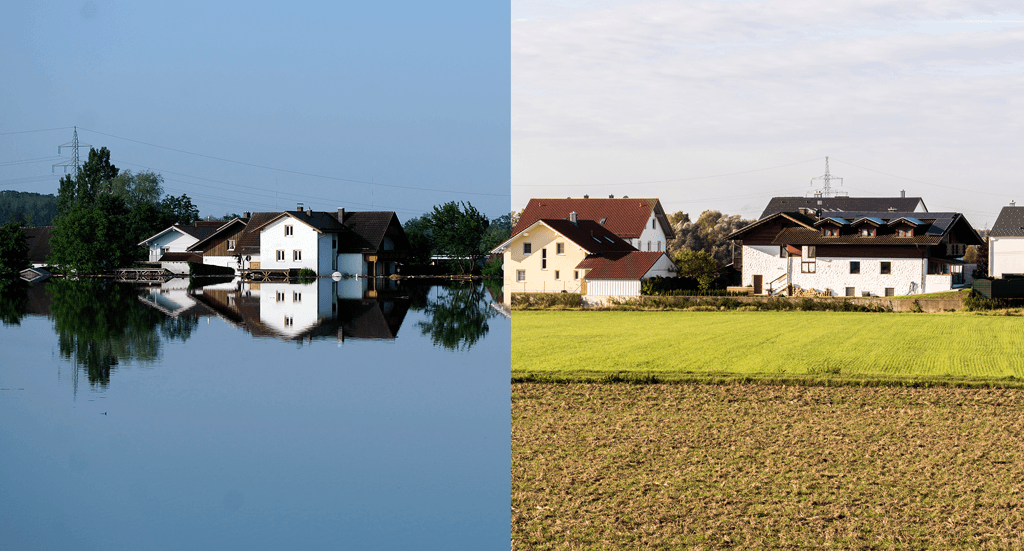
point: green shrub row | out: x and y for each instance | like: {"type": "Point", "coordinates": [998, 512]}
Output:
{"type": "Point", "coordinates": [540, 301]}
{"type": "Point", "coordinates": [728, 303]}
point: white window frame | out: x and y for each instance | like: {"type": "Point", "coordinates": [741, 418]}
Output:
{"type": "Point", "coordinates": [560, 248]}
{"type": "Point", "coordinates": [280, 255]}
{"type": "Point", "coordinates": [231, 244]}
{"type": "Point", "coordinates": [520, 276]}
{"type": "Point", "coordinates": [289, 230]}
{"type": "Point", "coordinates": [527, 249]}
{"type": "Point", "coordinates": [296, 255]}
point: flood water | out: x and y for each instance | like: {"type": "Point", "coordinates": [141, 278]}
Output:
{"type": "Point", "coordinates": [329, 415]}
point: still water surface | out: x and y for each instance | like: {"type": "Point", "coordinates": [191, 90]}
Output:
{"type": "Point", "coordinates": [239, 416]}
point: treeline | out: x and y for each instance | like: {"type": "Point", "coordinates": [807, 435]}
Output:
{"type": "Point", "coordinates": [30, 209]}
{"type": "Point", "coordinates": [457, 231]}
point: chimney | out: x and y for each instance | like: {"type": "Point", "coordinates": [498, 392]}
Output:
{"type": "Point", "coordinates": [903, 193]}
{"type": "Point", "coordinates": [586, 197]}
{"type": "Point", "coordinates": [1013, 203]}
{"type": "Point", "coordinates": [610, 196]}
{"type": "Point", "coordinates": [341, 214]}
{"type": "Point", "coordinates": [246, 214]}
{"type": "Point", "coordinates": [299, 207]}
{"type": "Point", "coordinates": [572, 217]}
{"type": "Point", "coordinates": [309, 213]}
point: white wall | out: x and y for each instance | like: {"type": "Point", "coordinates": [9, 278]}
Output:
{"type": "Point", "coordinates": [351, 264]}
{"type": "Point", "coordinates": [907, 275]}
{"type": "Point", "coordinates": [613, 287]}
{"type": "Point", "coordinates": [302, 304]}
{"type": "Point", "coordinates": [655, 235]}
{"type": "Point", "coordinates": [303, 238]}
{"type": "Point", "coordinates": [1006, 256]}
{"type": "Point", "coordinates": [175, 241]}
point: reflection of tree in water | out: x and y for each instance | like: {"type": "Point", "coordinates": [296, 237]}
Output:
{"type": "Point", "coordinates": [100, 324]}
{"type": "Point", "coordinates": [13, 300]}
{"type": "Point", "coordinates": [457, 318]}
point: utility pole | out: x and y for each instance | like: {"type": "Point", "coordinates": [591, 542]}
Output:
{"type": "Point", "coordinates": [826, 190]}
{"type": "Point", "coordinates": [74, 162]}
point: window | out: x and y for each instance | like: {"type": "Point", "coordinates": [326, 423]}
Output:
{"type": "Point", "coordinates": [280, 296]}
{"type": "Point", "coordinates": [830, 232]}
{"type": "Point", "coordinates": [851, 291]}
{"type": "Point", "coordinates": [280, 255]}
{"type": "Point", "coordinates": [867, 232]}
{"type": "Point", "coordinates": [807, 265]}
{"type": "Point", "coordinates": [659, 246]}
{"type": "Point", "coordinates": [648, 245]}
{"type": "Point", "coordinates": [576, 274]}
{"type": "Point", "coordinates": [543, 259]}
{"type": "Point", "coordinates": [288, 322]}
{"type": "Point", "coordinates": [654, 224]}
{"type": "Point", "coordinates": [854, 267]}
{"type": "Point", "coordinates": [890, 291]}
{"type": "Point", "coordinates": [297, 255]}
{"type": "Point", "coordinates": [520, 275]}
{"type": "Point", "coordinates": [556, 274]}
{"type": "Point", "coordinates": [289, 230]}
{"type": "Point", "coordinates": [559, 248]}
{"type": "Point", "coordinates": [527, 248]}
{"type": "Point", "coordinates": [886, 268]}
{"type": "Point", "coordinates": [296, 296]}
{"type": "Point", "coordinates": [905, 232]}
{"type": "Point", "coordinates": [231, 244]}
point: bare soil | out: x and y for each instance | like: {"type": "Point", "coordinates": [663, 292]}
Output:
{"type": "Point", "coordinates": [747, 466]}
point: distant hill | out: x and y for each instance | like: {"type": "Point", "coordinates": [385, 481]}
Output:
{"type": "Point", "coordinates": [34, 209]}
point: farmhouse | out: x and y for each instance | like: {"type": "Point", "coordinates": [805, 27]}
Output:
{"type": "Point", "coordinates": [1006, 243]}
{"type": "Point", "coordinates": [640, 222]}
{"type": "Point", "coordinates": [856, 254]}
{"type": "Point", "coordinates": [577, 256]}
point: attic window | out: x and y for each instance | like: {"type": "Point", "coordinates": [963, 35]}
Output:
{"type": "Point", "coordinates": [289, 230]}
{"type": "Point", "coordinates": [830, 232]}
{"type": "Point", "coordinates": [595, 239]}
{"type": "Point", "coordinates": [905, 232]}
{"type": "Point", "coordinates": [603, 220]}
{"type": "Point", "coordinates": [608, 239]}
{"type": "Point", "coordinates": [867, 232]}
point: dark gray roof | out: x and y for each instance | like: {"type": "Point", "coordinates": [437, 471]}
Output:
{"type": "Point", "coordinates": [842, 204]}
{"type": "Point", "coordinates": [366, 231]}
{"type": "Point", "coordinates": [1010, 223]}
{"type": "Point", "coordinates": [201, 229]}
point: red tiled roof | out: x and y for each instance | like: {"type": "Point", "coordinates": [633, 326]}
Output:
{"type": "Point", "coordinates": [631, 265]}
{"type": "Point", "coordinates": [589, 235]}
{"type": "Point", "coordinates": [626, 218]}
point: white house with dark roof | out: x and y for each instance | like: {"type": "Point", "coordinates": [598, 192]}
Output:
{"type": "Point", "coordinates": [170, 247]}
{"type": "Point", "coordinates": [856, 254]}
{"type": "Point", "coordinates": [1006, 243]}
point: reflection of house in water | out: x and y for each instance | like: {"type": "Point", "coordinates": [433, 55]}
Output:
{"type": "Point", "coordinates": [303, 312]}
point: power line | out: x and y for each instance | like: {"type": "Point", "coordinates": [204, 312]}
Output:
{"type": "Point", "coordinates": [30, 161]}
{"type": "Point", "coordinates": [928, 183]}
{"type": "Point", "coordinates": [31, 131]}
{"type": "Point", "coordinates": [667, 181]}
{"type": "Point", "coordinates": [295, 171]}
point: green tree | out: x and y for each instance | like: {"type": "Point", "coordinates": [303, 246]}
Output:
{"type": "Point", "coordinates": [700, 265]}
{"type": "Point", "coordinates": [498, 231]}
{"type": "Point", "coordinates": [417, 230]}
{"type": "Point", "coordinates": [456, 230]}
{"type": "Point", "coordinates": [178, 210]}
{"type": "Point", "coordinates": [13, 250]}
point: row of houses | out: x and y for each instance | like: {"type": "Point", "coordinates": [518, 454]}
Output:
{"type": "Point", "coordinates": [835, 246]}
{"type": "Point", "coordinates": [356, 243]}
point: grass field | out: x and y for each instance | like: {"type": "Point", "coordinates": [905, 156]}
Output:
{"type": "Point", "coordinates": [741, 466]}
{"type": "Point", "coordinates": [821, 345]}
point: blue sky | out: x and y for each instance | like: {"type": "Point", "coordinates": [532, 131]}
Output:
{"type": "Point", "coordinates": [260, 105]}
{"type": "Point", "coordinates": [722, 105]}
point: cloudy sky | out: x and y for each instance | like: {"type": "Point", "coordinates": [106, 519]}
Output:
{"type": "Point", "coordinates": [260, 105]}
{"type": "Point", "coordinates": [722, 105]}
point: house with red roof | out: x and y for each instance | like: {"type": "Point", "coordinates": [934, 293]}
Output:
{"type": "Point", "coordinates": [574, 255]}
{"type": "Point", "coordinates": [640, 222]}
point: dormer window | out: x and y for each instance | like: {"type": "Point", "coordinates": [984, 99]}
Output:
{"type": "Point", "coordinates": [830, 232]}
{"type": "Point", "coordinates": [867, 232]}
{"type": "Point", "coordinates": [905, 232]}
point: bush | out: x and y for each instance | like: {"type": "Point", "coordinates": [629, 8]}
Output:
{"type": "Point", "coordinates": [529, 301]}
{"type": "Point", "coordinates": [975, 302]}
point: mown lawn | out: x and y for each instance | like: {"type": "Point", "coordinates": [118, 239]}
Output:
{"type": "Point", "coordinates": [688, 345]}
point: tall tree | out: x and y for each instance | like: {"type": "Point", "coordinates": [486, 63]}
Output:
{"type": "Point", "coordinates": [456, 230]}
{"type": "Point", "coordinates": [417, 230]}
{"type": "Point", "coordinates": [13, 250]}
{"type": "Point", "coordinates": [700, 265]}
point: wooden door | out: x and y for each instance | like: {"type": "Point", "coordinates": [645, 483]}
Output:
{"type": "Point", "coordinates": [758, 284]}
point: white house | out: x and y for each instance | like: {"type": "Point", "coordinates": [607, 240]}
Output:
{"type": "Point", "coordinates": [170, 247]}
{"type": "Point", "coordinates": [619, 275]}
{"type": "Point", "coordinates": [1006, 243]}
{"type": "Point", "coordinates": [858, 254]}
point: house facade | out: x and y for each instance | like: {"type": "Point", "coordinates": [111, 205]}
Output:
{"type": "Point", "coordinates": [170, 247]}
{"type": "Point", "coordinates": [619, 275]}
{"type": "Point", "coordinates": [640, 222]}
{"type": "Point", "coordinates": [1006, 243]}
{"type": "Point", "coordinates": [857, 254]}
